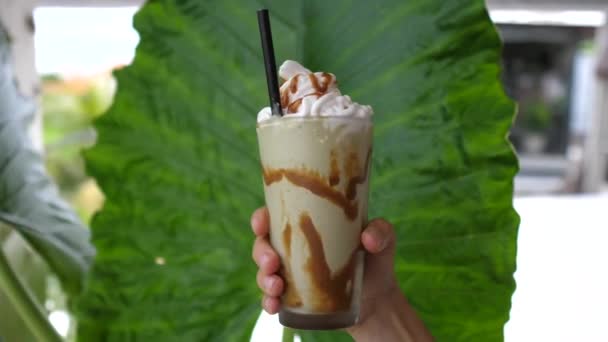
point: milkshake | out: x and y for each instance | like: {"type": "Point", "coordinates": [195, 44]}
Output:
{"type": "Point", "coordinates": [315, 165]}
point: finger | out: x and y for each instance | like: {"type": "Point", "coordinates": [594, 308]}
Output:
{"type": "Point", "coordinates": [271, 304]}
{"type": "Point", "coordinates": [265, 257]}
{"type": "Point", "coordinates": [260, 222]}
{"type": "Point", "coordinates": [271, 285]}
{"type": "Point", "coordinates": [378, 236]}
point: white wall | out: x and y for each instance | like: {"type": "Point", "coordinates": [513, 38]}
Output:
{"type": "Point", "coordinates": [16, 17]}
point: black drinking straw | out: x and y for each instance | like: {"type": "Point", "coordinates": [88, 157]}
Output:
{"type": "Point", "coordinates": [269, 62]}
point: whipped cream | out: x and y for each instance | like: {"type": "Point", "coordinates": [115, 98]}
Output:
{"type": "Point", "coordinates": [305, 93]}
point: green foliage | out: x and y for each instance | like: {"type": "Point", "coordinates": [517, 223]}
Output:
{"type": "Point", "coordinates": [69, 106]}
{"type": "Point", "coordinates": [29, 201]}
{"type": "Point", "coordinates": [177, 161]}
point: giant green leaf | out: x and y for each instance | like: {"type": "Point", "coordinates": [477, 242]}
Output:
{"type": "Point", "coordinates": [29, 200]}
{"type": "Point", "coordinates": [177, 160]}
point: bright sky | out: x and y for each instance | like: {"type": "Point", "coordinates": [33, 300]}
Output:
{"type": "Point", "coordinates": [89, 40]}
{"type": "Point", "coordinates": [83, 41]}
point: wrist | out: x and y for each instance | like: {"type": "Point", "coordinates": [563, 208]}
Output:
{"type": "Point", "coordinates": [390, 318]}
{"type": "Point", "coordinates": [373, 313]}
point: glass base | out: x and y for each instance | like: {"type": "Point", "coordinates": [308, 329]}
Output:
{"type": "Point", "coordinates": [338, 320]}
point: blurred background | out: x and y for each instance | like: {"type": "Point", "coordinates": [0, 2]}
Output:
{"type": "Point", "coordinates": [555, 65]}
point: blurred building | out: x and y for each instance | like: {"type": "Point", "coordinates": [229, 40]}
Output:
{"type": "Point", "coordinates": [556, 67]}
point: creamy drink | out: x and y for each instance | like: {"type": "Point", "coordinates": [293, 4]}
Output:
{"type": "Point", "coordinates": [316, 162]}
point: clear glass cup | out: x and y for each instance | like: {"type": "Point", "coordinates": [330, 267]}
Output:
{"type": "Point", "coordinates": [316, 182]}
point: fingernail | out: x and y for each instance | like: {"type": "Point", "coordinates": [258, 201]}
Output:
{"type": "Point", "coordinates": [380, 240]}
{"type": "Point", "coordinates": [383, 243]}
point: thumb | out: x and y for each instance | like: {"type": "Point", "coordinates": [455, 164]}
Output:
{"type": "Point", "coordinates": [378, 239]}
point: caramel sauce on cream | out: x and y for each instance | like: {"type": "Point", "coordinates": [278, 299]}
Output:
{"type": "Point", "coordinates": [330, 292]}
{"type": "Point", "coordinates": [320, 85]}
{"type": "Point", "coordinates": [291, 296]}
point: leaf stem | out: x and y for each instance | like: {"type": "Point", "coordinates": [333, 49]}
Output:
{"type": "Point", "coordinates": [29, 310]}
{"type": "Point", "coordinates": [288, 335]}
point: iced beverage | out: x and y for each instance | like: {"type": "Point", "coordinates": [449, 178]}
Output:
{"type": "Point", "coordinates": [315, 166]}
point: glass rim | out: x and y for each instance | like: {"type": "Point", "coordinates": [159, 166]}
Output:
{"type": "Point", "coordinates": [291, 118]}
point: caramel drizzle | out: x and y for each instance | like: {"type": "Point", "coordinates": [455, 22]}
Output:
{"type": "Point", "coordinates": [334, 173]}
{"type": "Point", "coordinates": [291, 296]}
{"type": "Point", "coordinates": [351, 188]}
{"type": "Point", "coordinates": [293, 88]}
{"type": "Point", "coordinates": [287, 239]}
{"type": "Point", "coordinates": [314, 183]}
{"type": "Point", "coordinates": [294, 106]}
{"type": "Point", "coordinates": [332, 293]}
{"type": "Point", "coordinates": [293, 85]}
{"type": "Point", "coordinates": [327, 78]}
{"type": "Point", "coordinates": [320, 89]}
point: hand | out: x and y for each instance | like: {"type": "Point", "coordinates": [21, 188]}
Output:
{"type": "Point", "coordinates": [382, 300]}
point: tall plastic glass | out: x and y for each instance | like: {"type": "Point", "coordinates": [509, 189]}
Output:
{"type": "Point", "coordinates": [316, 179]}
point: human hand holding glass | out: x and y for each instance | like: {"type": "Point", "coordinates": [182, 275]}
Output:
{"type": "Point", "coordinates": [385, 314]}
